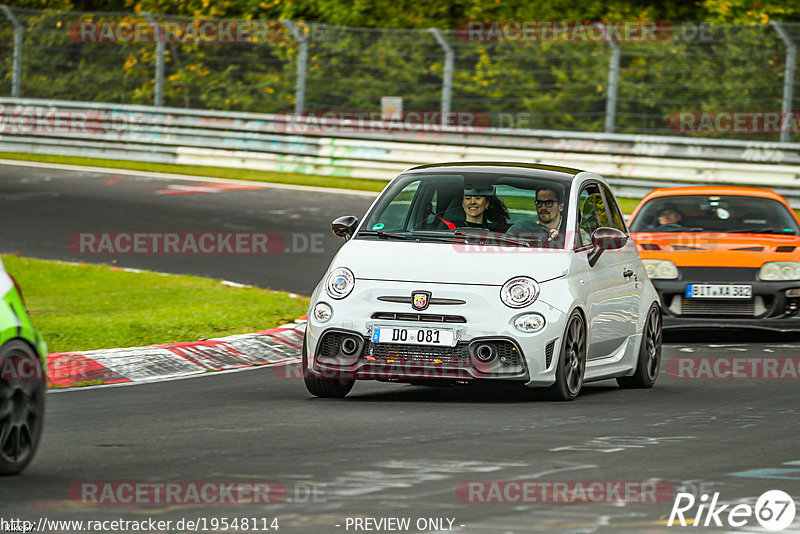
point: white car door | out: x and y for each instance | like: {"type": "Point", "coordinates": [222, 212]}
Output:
{"type": "Point", "coordinates": [629, 257]}
{"type": "Point", "coordinates": [610, 306]}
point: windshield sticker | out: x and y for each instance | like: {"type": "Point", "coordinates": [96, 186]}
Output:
{"type": "Point", "coordinates": [378, 226]}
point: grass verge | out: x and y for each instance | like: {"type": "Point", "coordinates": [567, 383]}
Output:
{"type": "Point", "coordinates": [86, 307]}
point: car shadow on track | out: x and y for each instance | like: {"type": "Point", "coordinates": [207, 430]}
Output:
{"type": "Point", "coordinates": [732, 335]}
{"type": "Point", "coordinates": [472, 394]}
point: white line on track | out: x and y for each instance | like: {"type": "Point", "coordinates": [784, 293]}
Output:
{"type": "Point", "coordinates": [199, 374]}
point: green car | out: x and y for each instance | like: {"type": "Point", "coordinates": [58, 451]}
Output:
{"type": "Point", "coordinates": [23, 380]}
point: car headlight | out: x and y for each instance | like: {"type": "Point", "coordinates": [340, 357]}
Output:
{"type": "Point", "coordinates": [780, 270]}
{"type": "Point", "coordinates": [322, 312]}
{"type": "Point", "coordinates": [340, 283]}
{"type": "Point", "coordinates": [660, 269]}
{"type": "Point", "coordinates": [519, 292]}
{"type": "Point", "coordinates": [529, 323]}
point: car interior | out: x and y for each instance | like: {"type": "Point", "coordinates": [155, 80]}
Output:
{"type": "Point", "coordinates": [719, 214]}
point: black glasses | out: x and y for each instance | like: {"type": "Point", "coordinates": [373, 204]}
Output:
{"type": "Point", "coordinates": [548, 203]}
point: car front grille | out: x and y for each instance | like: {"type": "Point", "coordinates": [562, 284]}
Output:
{"type": "Point", "coordinates": [419, 317]}
{"type": "Point", "coordinates": [426, 355]}
{"type": "Point", "coordinates": [713, 275]}
{"type": "Point", "coordinates": [507, 353]}
{"type": "Point", "coordinates": [329, 346]}
{"type": "Point", "coordinates": [739, 307]}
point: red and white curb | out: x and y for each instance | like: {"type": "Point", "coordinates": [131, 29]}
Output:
{"type": "Point", "coordinates": [174, 360]}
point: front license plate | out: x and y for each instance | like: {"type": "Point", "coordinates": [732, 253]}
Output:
{"type": "Point", "coordinates": [718, 291]}
{"type": "Point", "coordinates": [413, 336]}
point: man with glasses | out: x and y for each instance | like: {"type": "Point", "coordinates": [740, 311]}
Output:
{"type": "Point", "coordinates": [549, 207]}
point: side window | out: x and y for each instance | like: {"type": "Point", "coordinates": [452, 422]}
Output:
{"type": "Point", "coordinates": [592, 214]}
{"type": "Point", "coordinates": [614, 214]}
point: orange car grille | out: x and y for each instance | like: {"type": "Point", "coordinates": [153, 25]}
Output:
{"type": "Point", "coordinates": [717, 307]}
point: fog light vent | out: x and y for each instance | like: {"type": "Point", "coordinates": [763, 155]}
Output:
{"type": "Point", "coordinates": [548, 352]}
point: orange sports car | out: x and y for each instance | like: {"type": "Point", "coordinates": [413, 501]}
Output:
{"type": "Point", "coordinates": [721, 256]}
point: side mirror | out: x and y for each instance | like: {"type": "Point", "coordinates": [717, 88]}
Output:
{"type": "Point", "coordinates": [603, 239]}
{"type": "Point", "coordinates": [345, 226]}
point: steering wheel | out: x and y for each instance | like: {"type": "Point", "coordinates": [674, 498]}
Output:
{"type": "Point", "coordinates": [533, 228]}
{"type": "Point", "coordinates": [669, 226]}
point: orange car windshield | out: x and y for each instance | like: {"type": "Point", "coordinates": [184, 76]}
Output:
{"type": "Point", "coordinates": [715, 213]}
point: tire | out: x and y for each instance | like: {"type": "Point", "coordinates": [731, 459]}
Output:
{"type": "Point", "coordinates": [649, 362]}
{"type": "Point", "coordinates": [336, 388]}
{"type": "Point", "coordinates": [571, 361]}
{"type": "Point", "coordinates": [22, 391]}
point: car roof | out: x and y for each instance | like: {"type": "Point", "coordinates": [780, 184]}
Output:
{"type": "Point", "coordinates": [713, 190]}
{"type": "Point", "coordinates": [533, 170]}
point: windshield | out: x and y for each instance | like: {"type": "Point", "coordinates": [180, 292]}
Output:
{"type": "Point", "coordinates": [715, 213]}
{"type": "Point", "coordinates": [493, 207]}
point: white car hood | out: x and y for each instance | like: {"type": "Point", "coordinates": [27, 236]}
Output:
{"type": "Point", "coordinates": [448, 262]}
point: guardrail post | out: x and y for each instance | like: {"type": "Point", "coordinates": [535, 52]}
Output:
{"type": "Point", "coordinates": [19, 31]}
{"type": "Point", "coordinates": [302, 65]}
{"type": "Point", "coordinates": [788, 75]}
{"type": "Point", "coordinates": [161, 45]}
{"type": "Point", "coordinates": [447, 79]}
{"type": "Point", "coordinates": [613, 84]}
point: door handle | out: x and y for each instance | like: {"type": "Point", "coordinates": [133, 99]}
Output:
{"type": "Point", "coordinates": [627, 273]}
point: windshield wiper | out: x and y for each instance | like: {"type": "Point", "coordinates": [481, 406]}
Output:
{"type": "Point", "coordinates": [437, 235]}
{"type": "Point", "coordinates": [466, 237]}
{"type": "Point", "coordinates": [387, 235]}
{"type": "Point", "coordinates": [677, 229]}
{"type": "Point", "coordinates": [764, 230]}
{"type": "Point", "coordinates": [492, 237]}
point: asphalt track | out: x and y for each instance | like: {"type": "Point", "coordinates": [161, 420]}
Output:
{"type": "Point", "coordinates": [388, 450]}
{"type": "Point", "coordinates": [42, 208]}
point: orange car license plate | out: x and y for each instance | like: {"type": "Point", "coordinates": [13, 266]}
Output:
{"type": "Point", "coordinates": [719, 291]}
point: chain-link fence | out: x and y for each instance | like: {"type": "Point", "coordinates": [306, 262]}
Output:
{"type": "Point", "coordinates": [683, 78]}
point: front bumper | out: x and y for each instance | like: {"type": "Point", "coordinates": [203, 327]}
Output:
{"type": "Point", "coordinates": [389, 361]}
{"type": "Point", "coordinates": [769, 308]}
{"type": "Point", "coordinates": [482, 320]}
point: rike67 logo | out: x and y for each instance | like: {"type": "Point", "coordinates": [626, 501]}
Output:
{"type": "Point", "coordinates": [774, 510]}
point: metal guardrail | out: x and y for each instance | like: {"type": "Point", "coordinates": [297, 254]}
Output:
{"type": "Point", "coordinates": [379, 150]}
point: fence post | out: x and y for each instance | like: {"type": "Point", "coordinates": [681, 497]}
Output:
{"type": "Point", "coordinates": [788, 76]}
{"type": "Point", "coordinates": [19, 30]}
{"type": "Point", "coordinates": [613, 83]}
{"type": "Point", "coordinates": [161, 46]}
{"type": "Point", "coordinates": [447, 81]}
{"type": "Point", "coordinates": [302, 65]}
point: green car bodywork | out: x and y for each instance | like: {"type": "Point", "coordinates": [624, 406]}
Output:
{"type": "Point", "coordinates": [23, 380]}
{"type": "Point", "coordinates": [15, 324]}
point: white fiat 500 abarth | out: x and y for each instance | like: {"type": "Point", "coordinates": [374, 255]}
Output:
{"type": "Point", "coordinates": [485, 272]}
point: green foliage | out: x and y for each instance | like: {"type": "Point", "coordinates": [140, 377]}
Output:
{"type": "Point", "coordinates": [523, 84]}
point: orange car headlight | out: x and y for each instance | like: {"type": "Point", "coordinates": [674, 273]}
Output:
{"type": "Point", "coordinates": [660, 269]}
{"type": "Point", "coordinates": [780, 270]}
